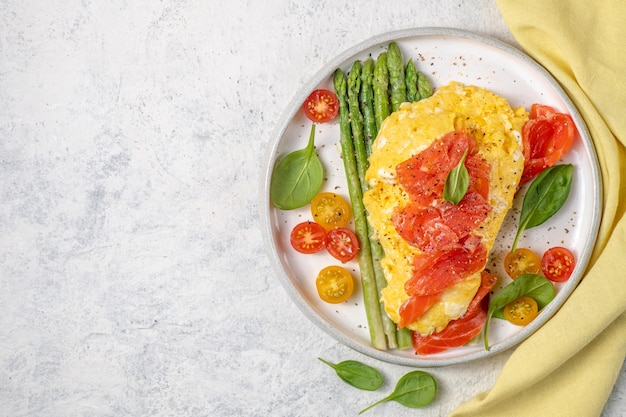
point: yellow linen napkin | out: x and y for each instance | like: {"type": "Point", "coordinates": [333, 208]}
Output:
{"type": "Point", "coordinates": [568, 367]}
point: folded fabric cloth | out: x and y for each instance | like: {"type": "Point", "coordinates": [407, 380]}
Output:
{"type": "Point", "coordinates": [569, 366]}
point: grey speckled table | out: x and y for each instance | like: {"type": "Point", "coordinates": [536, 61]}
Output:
{"type": "Point", "coordinates": [133, 279]}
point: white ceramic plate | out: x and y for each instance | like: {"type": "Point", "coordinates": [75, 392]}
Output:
{"type": "Point", "coordinates": [444, 55]}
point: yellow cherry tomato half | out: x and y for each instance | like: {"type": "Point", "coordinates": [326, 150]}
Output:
{"type": "Point", "coordinates": [521, 311]}
{"type": "Point", "coordinates": [521, 261]}
{"type": "Point", "coordinates": [334, 284]}
{"type": "Point", "coordinates": [330, 210]}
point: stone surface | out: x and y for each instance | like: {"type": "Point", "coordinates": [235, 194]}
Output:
{"type": "Point", "coordinates": [134, 281]}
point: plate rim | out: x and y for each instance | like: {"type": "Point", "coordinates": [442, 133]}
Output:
{"type": "Point", "coordinates": [292, 108]}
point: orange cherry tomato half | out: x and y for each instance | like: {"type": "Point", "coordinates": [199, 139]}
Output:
{"type": "Point", "coordinates": [321, 106]}
{"type": "Point", "coordinates": [521, 261]}
{"type": "Point", "coordinates": [342, 244]}
{"type": "Point", "coordinates": [334, 284]}
{"type": "Point", "coordinates": [330, 210]}
{"type": "Point", "coordinates": [557, 264]}
{"type": "Point", "coordinates": [546, 137]}
{"type": "Point", "coordinates": [308, 237]}
{"type": "Point", "coordinates": [521, 311]}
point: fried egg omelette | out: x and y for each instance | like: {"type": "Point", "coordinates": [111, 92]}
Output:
{"type": "Point", "coordinates": [496, 127]}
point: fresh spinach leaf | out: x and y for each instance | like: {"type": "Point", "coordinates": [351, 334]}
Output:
{"type": "Point", "coordinates": [297, 177]}
{"type": "Point", "coordinates": [357, 374]}
{"type": "Point", "coordinates": [414, 390]}
{"type": "Point", "coordinates": [535, 286]}
{"type": "Point", "coordinates": [457, 182]}
{"type": "Point", "coordinates": [545, 196]}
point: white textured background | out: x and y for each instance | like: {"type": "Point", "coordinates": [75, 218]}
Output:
{"type": "Point", "coordinates": [133, 278]}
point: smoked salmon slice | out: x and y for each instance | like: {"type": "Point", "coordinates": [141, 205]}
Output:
{"type": "Point", "coordinates": [462, 330]}
{"type": "Point", "coordinates": [441, 230]}
{"type": "Point", "coordinates": [415, 307]}
{"type": "Point", "coordinates": [424, 228]}
{"type": "Point", "coordinates": [466, 216]}
{"type": "Point", "coordinates": [457, 333]}
{"type": "Point", "coordinates": [449, 267]}
{"type": "Point", "coordinates": [441, 227]}
{"type": "Point", "coordinates": [424, 175]}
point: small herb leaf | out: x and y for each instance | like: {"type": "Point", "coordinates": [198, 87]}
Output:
{"type": "Point", "coordinates": [357, 374]}
{"type": "Point", "coordinates": [535, 286]}
{"type": "Point", "coordinates": [545, 196]}
{"type": "Point", "coordinates": [414, 390]}
{"type": "Point", "coordinates": [297, 177]}
{"type": "Point", "coordinates": [457, 182]}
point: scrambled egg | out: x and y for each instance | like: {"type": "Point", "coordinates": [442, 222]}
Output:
{"type": "Point", "coordinates": [496, 127]}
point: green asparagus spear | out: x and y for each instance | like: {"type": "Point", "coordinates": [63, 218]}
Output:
{"type": "Point", "coordinates": [365, 128]}
{"type": "Point", "coordinates": [404, 338]}
{"type": "Point", "coordinates": [411, 82]}
{"type": "Point", "coordinates": [397, 85]}
{"type": "Point", "coordinates": [424, 88]}
{"type": "Point", "coordinates": [389, 326]}
{"type": "Point", "coordinates": [366, 100]}
{"type": "Point", "coordinates": [367, 104]}
{"type": "Point", "coordinates": [368, 283]}
{"type": "Point", "coordinates": [381, 90]}
{"type": "Point", "coordinates": [356, 121]}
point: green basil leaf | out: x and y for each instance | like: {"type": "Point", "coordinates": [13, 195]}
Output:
{"type": "Point", "coordinates": [414, 390]}
{"type": "Point", "coordinates": [357, 374]}
{"type": "Point", "coordinates": [535, 286]}
{"type": "Point", "coordinates": [297, 177]}
{"type": "Point", "coordinates": [545, 196]}
{"type": "Point", "coordinates": [457, 182]}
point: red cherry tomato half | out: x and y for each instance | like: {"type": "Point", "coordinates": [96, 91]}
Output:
{"type": "Point", "coordinates": [321, 106]}
{"type": "Point", "coordinates": [557, 264]}
{"type": "Point", "coordinates": [308, 237]}
{"type": "Point", "coordinates": [342, 244]}
{"type": "Point", "coordinates": [546, 137]}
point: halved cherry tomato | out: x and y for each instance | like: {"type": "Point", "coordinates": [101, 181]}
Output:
{"type": "Point", "coordinates": [546, 137]}
{"type": "Point", "coordinates": [558, 263]}
{"type": "Point", "coordinates": [308, 237]}
{"type": "Point", "coordinates": [321, 106]}
{"type": "Point", "coordinates": [342, 244]}
{"type": "Point", "coordinates": [334, 284]}
{"type": "Point", "coordinates": [521, 311]}
{"type": "Point", "coordinates": [521, 261]}
{"type": "Point", "coordinates": [330, 210]}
